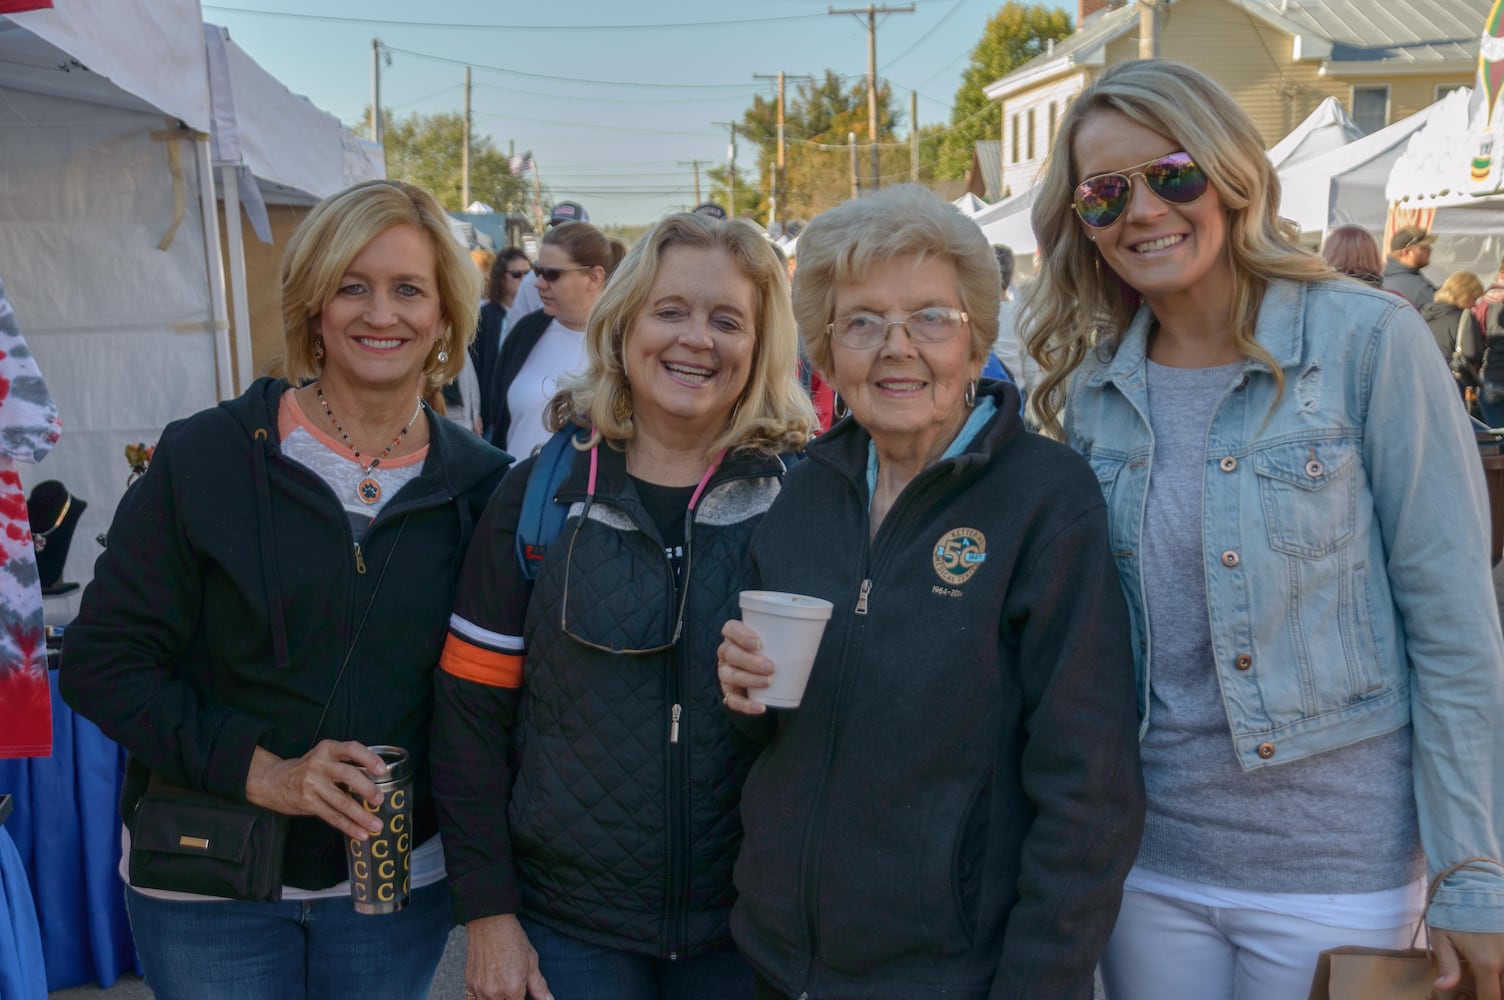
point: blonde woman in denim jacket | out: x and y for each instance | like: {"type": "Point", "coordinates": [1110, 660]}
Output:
{"type": "Point", "coordinates": [1300, 525]}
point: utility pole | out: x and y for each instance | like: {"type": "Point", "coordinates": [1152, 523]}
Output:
{"type": "Point", "coordinates": [851, 141]}
{"type": "Point", "coordinates": [731, 171]}
{"type": "Point", "coordinates": [696, 165]}
{"type": "Point", "coordinates": [1148, 29]}
{"type": "Point", "coordinates": [872, 11]}
{"type": "Point", "coordinates": [465, 151]}
{"type": "Point", "coordinates": [779, 173]}
{"type": "Point", "coordinates": [376, 90]}
{"type": "Point", "coordinates": [914, 136]}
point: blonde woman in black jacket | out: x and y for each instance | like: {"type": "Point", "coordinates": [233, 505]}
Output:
{"type": "Point", "coordinates": [588, 779]}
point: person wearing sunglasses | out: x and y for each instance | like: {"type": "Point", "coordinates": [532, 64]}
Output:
{"type": "Point", "coordinates": [587, 774]}
{"type": "Point", "coordinates": [502, 282]}
{"type": "Point", "coordinates": [1301, 529]}
{"type": "Point", "coordinates": [952, 808]}
{"type": "Point", "coordinates": [575, 261]}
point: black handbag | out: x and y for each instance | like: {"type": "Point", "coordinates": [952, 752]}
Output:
{"type": "Point", "coordinates": [185, 840]}
{"type": "Point", "coordinates": [191, 841]}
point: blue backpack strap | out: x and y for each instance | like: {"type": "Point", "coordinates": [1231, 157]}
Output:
{"type": "Point", "coordinates": [542, 519]}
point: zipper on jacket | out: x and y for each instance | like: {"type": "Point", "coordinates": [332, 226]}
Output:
{"type": "Point", "coordinates": [861, 597]}
{"type": "Point", "coordinates": [360, 560]}
{"type": "Point", "coordinates": [673, 729]}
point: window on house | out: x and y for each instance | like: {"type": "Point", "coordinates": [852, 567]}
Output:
{"type": "Point", "coordinates": [1030, 133]}
{"type": "Point", "coordinates": [1371, 107]}
{"type": "Point", "coordinates": [1054, 117]}
{"type": "Point", "coordinates": [1443, 89]}
{"type": "Point", "coordinates": [1015, 138]}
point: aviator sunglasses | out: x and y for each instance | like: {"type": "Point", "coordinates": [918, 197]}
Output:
{"type": "Point", "coordinates": [1101, 200]}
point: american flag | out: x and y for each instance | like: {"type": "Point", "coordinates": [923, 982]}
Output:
{"type": "Point", "coordinates": [520, 163]}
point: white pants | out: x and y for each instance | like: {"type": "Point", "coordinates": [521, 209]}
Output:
{"type": "Point", "coordinates": [1167, 949]}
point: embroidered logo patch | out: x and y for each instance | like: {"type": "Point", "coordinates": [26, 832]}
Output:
{"type": "Point", "coordinates": [958, 553]}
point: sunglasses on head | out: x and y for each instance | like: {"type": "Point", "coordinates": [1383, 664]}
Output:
{"type": "Point", "coordinates": [551, 274]}
{"type": "Point", "coordinates": [1101, 200]}
{"type": "Point", "coordinates": [517, 275]}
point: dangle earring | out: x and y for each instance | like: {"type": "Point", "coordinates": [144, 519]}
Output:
{"type": "Point", "coordinates": [621, 408]}
{"type": "Point", "coordinates": [443, 357]}
{"type": "Point", "coordinates": [318, 350]}
{"type": "Point", "coordinates": [970, 399]}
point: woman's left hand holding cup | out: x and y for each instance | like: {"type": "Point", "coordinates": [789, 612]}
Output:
{"type": "Point", "coordinates": [327, 782]}
{"type": "Point", "coordinates": [741, 666]}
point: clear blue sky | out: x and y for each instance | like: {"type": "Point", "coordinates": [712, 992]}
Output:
{"type": "Point", "coordinates": [613, 99]}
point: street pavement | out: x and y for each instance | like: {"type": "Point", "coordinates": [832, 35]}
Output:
{"type": "Point", "coordinates": [449, 983]}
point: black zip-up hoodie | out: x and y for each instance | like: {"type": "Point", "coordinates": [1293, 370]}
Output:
{"type": "Point", "coordinates": [952, 809]}
{"type": "Point", "coordinates": [228, 596]}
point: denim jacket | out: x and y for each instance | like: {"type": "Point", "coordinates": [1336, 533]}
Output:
{"type": "Point", "coordinates": [1346, 554]}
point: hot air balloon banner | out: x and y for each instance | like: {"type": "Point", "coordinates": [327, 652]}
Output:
{"type": "Point", "coordinates": [1490, 83]}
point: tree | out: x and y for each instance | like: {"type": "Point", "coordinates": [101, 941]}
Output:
{"type": "Point", "coordinates": [426, 150]}
{"type": "Point", "coordinates": [818, 117]}
{"type": "Point", "coordinates": [1014, 35]}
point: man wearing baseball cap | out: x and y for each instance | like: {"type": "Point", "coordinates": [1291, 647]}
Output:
{"type": "Point", "coordinates": [527, 300]}
{"type": "Point", "coordinates": [1409, 251]}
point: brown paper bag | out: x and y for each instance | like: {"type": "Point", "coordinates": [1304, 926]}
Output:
{"type": "Point", "coordinates": [1357, 973]}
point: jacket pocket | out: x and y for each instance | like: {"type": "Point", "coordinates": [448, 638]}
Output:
{"type": "Point", "coordinates": [1309, 491]}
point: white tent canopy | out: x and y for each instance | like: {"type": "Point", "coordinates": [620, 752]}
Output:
{"type": "Point", "coordinates": [1346, 185]}
{"type": "Point", "coordinates": [1437, 167]}
{"type": "Point", "coordinates": [1007, 223]}
{"type": "Point", "coordinates": [969, 204]}
{"type": "Point", "coordinates": [1327, 128]}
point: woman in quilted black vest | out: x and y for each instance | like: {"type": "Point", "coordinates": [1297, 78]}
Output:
{"type": "Point", "coordinates": [589, 780]}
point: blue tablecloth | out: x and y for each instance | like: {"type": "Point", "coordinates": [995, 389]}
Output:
{"type": "Point", "coordinates": [66, 828]}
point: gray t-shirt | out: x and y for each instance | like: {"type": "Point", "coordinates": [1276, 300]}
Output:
{"type": "Point", "coordinates": [1337, 822]}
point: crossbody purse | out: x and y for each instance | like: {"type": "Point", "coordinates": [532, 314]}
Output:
{"type": "Point", "coordinates": [187, 840]}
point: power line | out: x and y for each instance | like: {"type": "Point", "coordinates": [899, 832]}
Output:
{"type": "Point", "coordinates": [472, 26]}
{"type": "Point", "coordinates": [567, 79]}
{"type": "Point", "coordinates": [595, 99]}
{"type": "Point", "coordinates": [594, 125]}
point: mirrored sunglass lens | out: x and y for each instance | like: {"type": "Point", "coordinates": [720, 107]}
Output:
{"type": "Point", "coordinates": [1100, 200]}
{"type": "Point", "coordinates": [1176, 179]}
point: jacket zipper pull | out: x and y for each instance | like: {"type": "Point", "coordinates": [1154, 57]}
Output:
{"type": "Point", "coordinates": [673, 730]}
{"type": "Point", "coordinates": [360, 560]}
{"type": "Point", "coordinates": [861, 598]}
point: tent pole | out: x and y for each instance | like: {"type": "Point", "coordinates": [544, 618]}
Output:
{"type": "Point", "coordinates": [239, 295]}
{"type": "Point", "coordinates": [209, 208]}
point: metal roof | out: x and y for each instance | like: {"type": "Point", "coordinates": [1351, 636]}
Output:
{"type": "Point", "coordinates": [1402, 32]}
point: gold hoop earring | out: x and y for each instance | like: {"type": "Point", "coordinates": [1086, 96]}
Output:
{"type": "Point", "coordinates": [970, 399]}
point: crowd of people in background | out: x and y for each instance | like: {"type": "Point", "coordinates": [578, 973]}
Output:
{"type": "Point", "coordinates": [1164, 653]}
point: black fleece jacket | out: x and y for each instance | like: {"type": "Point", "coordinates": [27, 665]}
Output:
{"type": "Point", "coordinates": [953, 808]}
{"type": "Point", "coordinates": [230, 592]}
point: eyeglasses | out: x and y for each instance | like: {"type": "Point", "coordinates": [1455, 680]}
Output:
{"type": "Point", "coordinates": [551, 274]}
{"type": "Point", "coordinates": [1101, 200]}
{"type": "Point", "coordinates": [863, 331]}
{"type": "Point", "coordinates": [519, 275]}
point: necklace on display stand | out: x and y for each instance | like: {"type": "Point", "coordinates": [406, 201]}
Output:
{"type": "Point", "coordinates": [368, 490]}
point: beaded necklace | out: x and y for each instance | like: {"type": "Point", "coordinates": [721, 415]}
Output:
{"type": "Point", "coordinates": [368, 490]}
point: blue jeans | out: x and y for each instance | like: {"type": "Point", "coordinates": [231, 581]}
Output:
{"type": "Point", "coordinates": [578, 970]}
{"type": "Point", "coordinates": [315, 950]}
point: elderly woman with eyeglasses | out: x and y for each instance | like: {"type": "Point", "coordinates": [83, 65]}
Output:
{"type": "Point", "coordinates": [588, 779]}
{"type": "Point", "coordinates": [951, 809]}
{"type": "Point", "coordinates": [1300, 526]}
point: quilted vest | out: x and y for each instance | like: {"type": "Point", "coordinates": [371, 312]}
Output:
{"type": "Point", "coordinates": [625, 826]}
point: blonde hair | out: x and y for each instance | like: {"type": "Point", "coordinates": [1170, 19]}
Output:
{"type": "Point", "coordinates": [1077, 300]}
{"type": "Point", "coordinates": [773, 414]}
{"type": "Point", "coordinates": [841, 244]}
{"type": "Point", "coordinates": [1461, 289]}
{"type": "Point", "coordinates": [334, 234]}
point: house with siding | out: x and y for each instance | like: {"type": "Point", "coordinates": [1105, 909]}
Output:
{"type": "Point", "coordinates": [1381, 59]}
